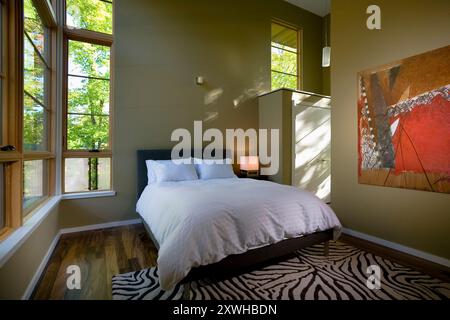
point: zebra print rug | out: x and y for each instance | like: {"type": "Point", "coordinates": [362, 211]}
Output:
{"type": "Point", "coordinates": [342, 275]}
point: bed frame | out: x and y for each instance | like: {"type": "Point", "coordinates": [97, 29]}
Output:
{"type": "Point", "coordinates": [233, 264]}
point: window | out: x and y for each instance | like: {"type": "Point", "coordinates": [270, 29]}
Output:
{"type": "Point", "coordinates": [285, 67]}
{"type": "Point", "coordinates": [35, 183]}
{"type": "Point", "coordinates": [87, 140]}
{"type": "Point", "coordinates": [88, 97]}
{"type": "Point", "coordinates": [36, 81]}
{"type": "Point", "coordinates": [27, 64]}
{"type": "Point", "coordinates": [10, 157]}
{"type": "Point", "coordinates": [37, 108]}
{"type": "Point", "coordinates": [94, 15]}
{"type": "Point", "coordinates": [87, 174]}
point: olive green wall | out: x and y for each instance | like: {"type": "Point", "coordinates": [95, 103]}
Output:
{"type": "Point", "coordinates": [160, 47]}
{"type": "Point", "coordinates": [417, 219]}
{"type": "Point", "coordinates": [17, 272]}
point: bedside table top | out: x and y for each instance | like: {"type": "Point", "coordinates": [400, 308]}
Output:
{"type": "Point", "coordinates": [256, 177]}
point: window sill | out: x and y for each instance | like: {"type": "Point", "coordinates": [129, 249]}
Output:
{"type": "Point", "coordinates": [18, 236]}
{"type": "Point", "coordinates": [87, 195]}
{"type": "Point", "coordinates": [14, 238]}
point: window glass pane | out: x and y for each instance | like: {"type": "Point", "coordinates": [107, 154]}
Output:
{"type": "Point", "coordinates": [36, 79]}
{"type": "Point", "coordinates": [87, 174]}
{"type": "Point", "coordinates": [34, 74]}
{"type": "Point", "coordinates": [34, 183]}
{"type": "Point", "coordinates": [2, 197]}
{"type": "Point", "coordinates": [285, 38]}
{"type": "Point", "coordinates": [87, 132]}
{"type": "Point", "coordinates": [88, 96]}
{"type": "Point", "coordinates": [280, 80]}
{"type": "Point", "coordinates": [95, 15]}
{"type": "Point", "coordinates": [284, 61]}
{"type": "Point", "coordinates": [284, 50]}
{"type": "Point", "coordinates": [33, 26]}
{"type": "Point", "coordinates": [89, 59]}
{"type": "Point", "coordinates": [34, 126]}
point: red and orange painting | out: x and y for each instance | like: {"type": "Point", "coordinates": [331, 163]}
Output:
{"type": "Point", "coordinates": [404, 123]}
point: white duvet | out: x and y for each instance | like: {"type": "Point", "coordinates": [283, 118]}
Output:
{"type": "Point", "coordinates": [201, 222]}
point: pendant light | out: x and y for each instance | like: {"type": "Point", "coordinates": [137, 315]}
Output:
{"type": "Point", "coordinates": [326, 51]}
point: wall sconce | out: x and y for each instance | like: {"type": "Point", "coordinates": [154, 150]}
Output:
{"type": "Point", "coordinates": [199, 80]}
{"type": "Point", "coordinates": [249, 165]}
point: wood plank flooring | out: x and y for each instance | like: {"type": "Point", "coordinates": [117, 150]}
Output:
{"type": "Point", "coordinates": [100, 254]}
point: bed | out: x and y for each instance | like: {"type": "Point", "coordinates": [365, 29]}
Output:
{"type": "Point", "coordinates": [217, 226]}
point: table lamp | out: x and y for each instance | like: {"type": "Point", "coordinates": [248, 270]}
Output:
{"type": "Point", "coordinates": [249, 165]}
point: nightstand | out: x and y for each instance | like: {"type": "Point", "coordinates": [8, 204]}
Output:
{"type": "Point", "coordinates": [256, 177]}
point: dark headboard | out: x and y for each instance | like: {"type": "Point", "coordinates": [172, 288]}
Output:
{"type": "Point", "coordinates": [160, 154]}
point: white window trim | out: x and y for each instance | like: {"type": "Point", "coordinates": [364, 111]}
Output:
{"type": "Point", "coordinates": [87, 195]}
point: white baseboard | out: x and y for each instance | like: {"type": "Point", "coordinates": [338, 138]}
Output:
{"type": "Point", "coordinates": [41, 268]}
{"type": "Point", "coordinates": [398, 247]}
{"type": "Point", "coordinates": [100, 226]}
{"type": "Point", "coordinates": [37, 275]}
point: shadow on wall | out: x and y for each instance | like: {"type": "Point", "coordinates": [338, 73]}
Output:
{"type": "Point", "coordinates": [213, 96]}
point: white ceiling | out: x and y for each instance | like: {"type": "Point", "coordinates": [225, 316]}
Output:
{"type": "Point", "coordinates": [319, 7]}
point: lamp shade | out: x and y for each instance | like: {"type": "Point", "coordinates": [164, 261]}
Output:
{"type": "Point", "coordinates": [249, 163]}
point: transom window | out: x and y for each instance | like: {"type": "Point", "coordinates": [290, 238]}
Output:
{"type": "Point", "coordinates": [94, 15]}
{"type": "Point", "coordinates": [285, 53]}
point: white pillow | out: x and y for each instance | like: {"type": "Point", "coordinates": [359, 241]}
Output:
{"type": "Point", "coordinates": [167, 170]}
{"type": "Point", "coordinates": [214, 170]}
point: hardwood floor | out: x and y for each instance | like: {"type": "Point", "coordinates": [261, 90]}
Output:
{"type": "Point", "coordinates": [433, 269]}
{"type": "Point", "coordinates": [100, 254]}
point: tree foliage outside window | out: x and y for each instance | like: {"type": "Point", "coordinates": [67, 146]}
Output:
{"type": "Point", "coordinates": [88, 97]}
{"type": "Point", "coordinates": [95, 15]}
{"type": "Point", "coordinates": [284, 57]}
{"type": "Point", "coordinates": [36, 81]}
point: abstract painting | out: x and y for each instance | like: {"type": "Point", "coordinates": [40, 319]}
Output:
{"type": "Point", "coordinates": [404, 123]}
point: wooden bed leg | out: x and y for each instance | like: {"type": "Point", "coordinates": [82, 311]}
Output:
{"type": "Point", "coordinates": [326, 248]}
{"type": "Point", "coordinates": [187, 291]}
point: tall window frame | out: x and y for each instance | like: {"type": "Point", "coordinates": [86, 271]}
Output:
{"type": "Point", "coordinates": [13, 155]}
{"type": "Point", "coordinates": [94, 156]}
{"type": "Point", "coordinates": [41, 163]}
{"type": "Point", "coordinates": [282, 48]}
